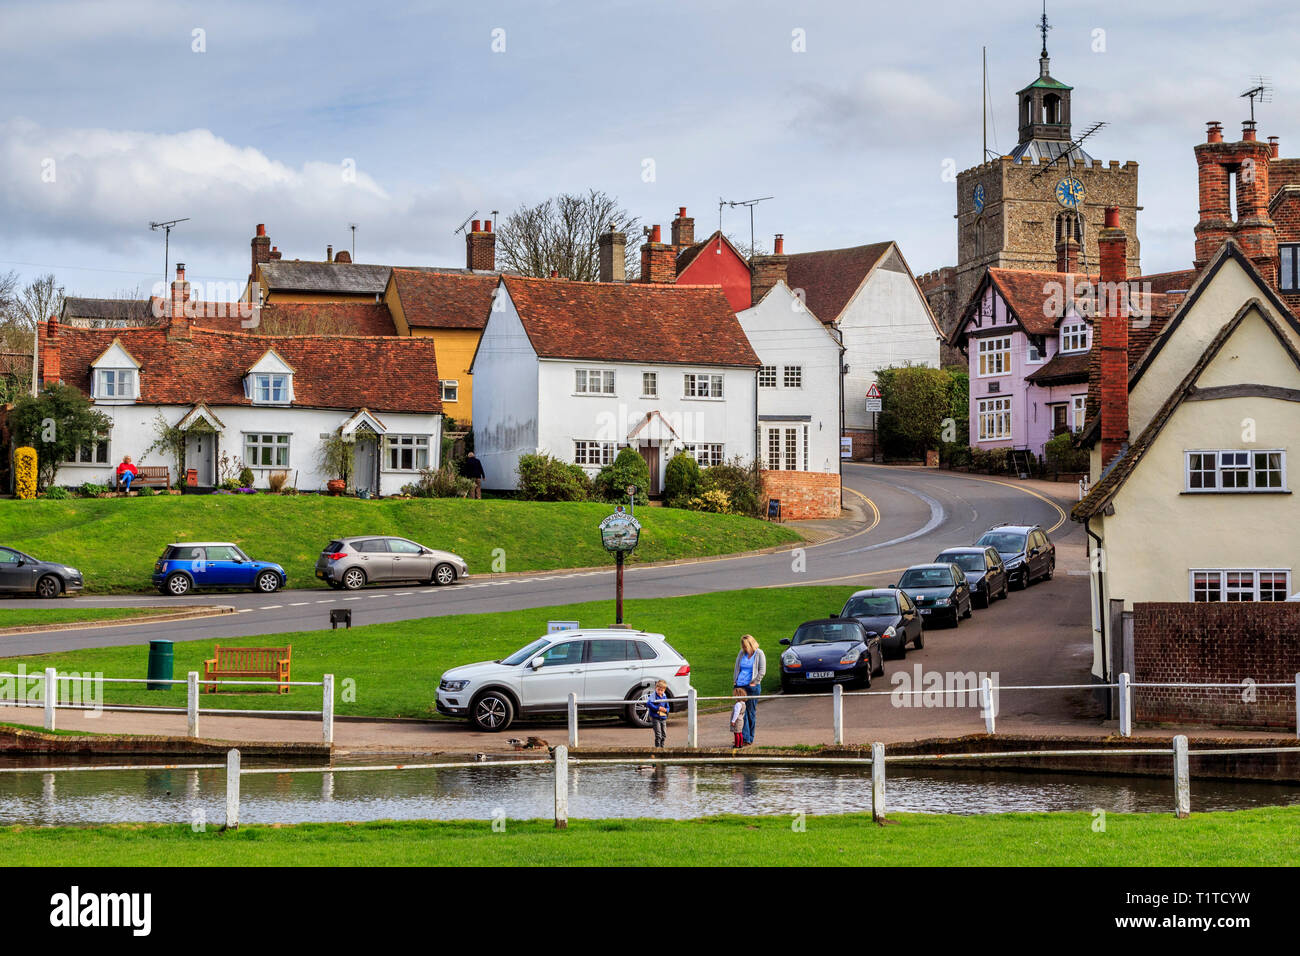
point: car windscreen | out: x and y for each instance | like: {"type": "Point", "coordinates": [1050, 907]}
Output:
{"type": "Point", "coordinates": [872, 605]}
{"type": "Point", "coordinates": [827, 632]}
{"type": "Point", "coordinates": [334, 547]}
{"type": "Point", "coordinates": [965, 560]}
{"type": "Point", "coordinates": [926, 578]}
{"type": "Point", "coordinates": [521, 655]}
{"type": "Point", "coordinates": [1005, 542]}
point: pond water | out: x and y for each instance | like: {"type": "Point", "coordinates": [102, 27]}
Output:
{"type": "Point", "coordinates": [481, 792]}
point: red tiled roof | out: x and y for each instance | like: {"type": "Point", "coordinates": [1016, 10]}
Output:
{"type": "Point", "coordinates": [330, 371]}
{"type": "Point", "coordinates": [637, 322]}
{"type": "Point", "coordinates": [830, 278]}
{"type": "Point", "coordinates": [1033, 296]}
{"type": "Point", "coordinates": [1062, 369]}
{"type": "Point", "coordinates": [1179, 281]}
{"type": "Point", "coordinates": [445, 299]}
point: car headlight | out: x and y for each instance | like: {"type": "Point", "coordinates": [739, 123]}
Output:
{"type": "Point", "coordinates": [790, 659]}
{"type": "Point", "coordinates": [453, 685]}
{"type": "Point", "coordinates": [943, 602]}
{"type": "Point", "coordinates": [851, 657]}
{"type": "Point", "coordinates": [890, 631]}
{"type": "Point", "coordinates": [1015, 562]}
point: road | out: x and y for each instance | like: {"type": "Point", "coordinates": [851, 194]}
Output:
{"type": "Point", "coordinates": [908, 516]}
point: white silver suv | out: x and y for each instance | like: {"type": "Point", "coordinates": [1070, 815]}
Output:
{"type": "Point", "coordinates": [605, 666]}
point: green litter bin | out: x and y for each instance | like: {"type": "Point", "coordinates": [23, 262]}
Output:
{"type": "Point", "coordinates": [160, 664]}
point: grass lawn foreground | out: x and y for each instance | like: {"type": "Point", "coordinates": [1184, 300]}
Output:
{"type": "Point", "coordinates": [1258, 837]}
{"type": "Point", "coordinates": [115, 541]}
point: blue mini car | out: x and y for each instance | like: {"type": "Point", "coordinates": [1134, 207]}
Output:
{"type": "Point", "coordinates": [212, 564]}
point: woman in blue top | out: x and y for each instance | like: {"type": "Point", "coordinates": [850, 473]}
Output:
{"type": "Point", "coordinates": [751, 667]}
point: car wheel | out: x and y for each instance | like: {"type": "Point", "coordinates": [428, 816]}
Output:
{"type": "Point", "coordinates": [970, 608]}
{"type": "Point", "coordinates": [267, 582]}
{"type": "Point", "coordinates": [49, 586]}
{"type": "Point", "coordinates": [1022, 581]}
{"type": "Point", "coordinates": [919, 643]}
{"type": "Point", "coordinates": [902, 647]}
{"type": "Point", "coordinates": [354, 579]}
{"type": "Point", "coordinates": [880, 668]}
{"type": "Point", "coordinates": [637, 715]}
{"type": "Point", "coordinates": [1006, 590]}
{"type": "Point", "coordinates": [178, 585]}
{"type": "Point", "coordinates": [334, 585]}
{"type": "Point", "coordinates": [1051, 569]}
{"type": "Point", "coordinates": [444, 574]}
{"type": "Point", "coordinates": [492, 711]}
{"type": "Point", "coordinates": [984, 600]}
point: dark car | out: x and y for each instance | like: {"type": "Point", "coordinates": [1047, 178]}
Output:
{"type": "Point", "coordinates": [24, 574]}
{"type": "Point", "coordinates": [889, 614]}
{"type": "Point", "coordinates": [1026, 550]}
{"type": "Point", "coordinates": [834, 650]}
{"type": "Point", "coordinates": [939, 590]}
{"type": "Point", "coordinates": [213, 564]}
{"type": "Point", "coordinates": [985, 572]}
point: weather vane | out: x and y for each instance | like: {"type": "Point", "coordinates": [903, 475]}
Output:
{"type": "Point", "coordinates": [1043, 27]}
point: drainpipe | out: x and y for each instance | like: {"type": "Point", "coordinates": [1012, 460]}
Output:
{"type": "Point", "coordinates": [1101, 610]}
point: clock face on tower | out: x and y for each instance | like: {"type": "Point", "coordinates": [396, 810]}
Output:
{"type": "Point", "coordinates": [978, 197]}
{"type": "Point", "coordinates": [1069, 193]}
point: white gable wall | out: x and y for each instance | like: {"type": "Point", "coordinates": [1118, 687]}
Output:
{"type": "Point", "coordinates": [505, 395]}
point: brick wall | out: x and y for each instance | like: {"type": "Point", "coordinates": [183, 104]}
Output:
{"type": "Point", "coordinates": [1208, 643]}
{"type": "Point", "coordinates": [803, 494]}
{"type": "Point", "coordinates": [864, 443]}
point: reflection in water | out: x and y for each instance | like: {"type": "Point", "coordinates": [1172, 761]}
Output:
{"type": "Point", "coordinates": [603, 791]}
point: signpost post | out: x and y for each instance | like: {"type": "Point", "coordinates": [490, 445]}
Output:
{"type": "Point", "coordinates": [619, 534]}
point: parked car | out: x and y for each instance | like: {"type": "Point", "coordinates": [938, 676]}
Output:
{"type": "Point", "coordinates": [21, 573]}
{"type": "Point", "coordinates": [213, 564]}
{"type": "Point", "coordinates": [985, 572]}
{"type": "Point", "coordinates": [613, 668]}
{"type": "Point", "coordinates": [889, 614]}
{"type": "Point", "coordinates": [939, 590]}
{"type": "Point", "coordinates": [1026, 550]}
{"type": "Point", "coordinates": [834, 650]}
{"type": "Point", "coordinates": [353, 563]}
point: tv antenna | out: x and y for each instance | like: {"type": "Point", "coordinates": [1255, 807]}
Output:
{"type": "Point", "coordinates": [167, 241]}
{"type": "Point", "coordinates": [461, 227]}
{"type": "Point", "coordinates": [751, 203]}
{"type": "Point", "coordinates": [1069, 150]}
{"type": "Point", "coordinates": [353, 227]}
{"type": "Point", "coordinates": [1262, 92]}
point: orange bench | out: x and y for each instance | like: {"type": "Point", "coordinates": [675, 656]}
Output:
{"type": "Point", "coordinates": [243, 663]}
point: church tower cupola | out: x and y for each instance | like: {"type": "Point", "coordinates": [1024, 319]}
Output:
{"type": "Point", "coordinates": [1045, 111]}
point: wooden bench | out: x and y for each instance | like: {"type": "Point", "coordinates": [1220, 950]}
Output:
{"type": "Point", "coordinates": [156, 476]}
{"type": "Point", "coordinates": [244, 663]}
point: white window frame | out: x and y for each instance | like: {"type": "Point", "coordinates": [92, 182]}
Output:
{"type": "Point", "coordinates": [1288, 272]}
{"type": "Point", "coordinates": [91, 459]}
{"type": "Point", "coordinates": [451, 390]}
{"type": "Point", "coordinates": [792, 376]}
{"type": "Point", "coordinates": [396, 446]}
{"type": "Point", "coordinates": [995, 410]}
{"type": "Point", "coordinates": [603, 378]}
{"type": "Point", "coordinates": [255, 440]}
{"type": "Point", "coordinates": [767, 376]}
{"type": "Point", "coordinates": [582, 453]}
{"type": "Point", "coordinates": [649, 384]}
{"type": "Point", "coordinates": [1078, 412]}
{"type": "Point", "coordinates": [263, 384]}
{"type": "Point", "coordinates": [693, 381]}
{"type": "Point", "coordinates": [1074, 337]}
{"type": "Point", "coordinates": [120, 378]}
{"type": "Point", "coordinates": [1228, 462]}
{"type": "Point", "coordinates": [1222, 581]}
{"type": "Point", "coordinates": [707, 454]}
{"type": "Point", "coordinates": [994, 347]}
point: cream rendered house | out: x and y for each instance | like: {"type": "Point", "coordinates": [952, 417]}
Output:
{"type": "Point", "coordinates": [1198, 505]}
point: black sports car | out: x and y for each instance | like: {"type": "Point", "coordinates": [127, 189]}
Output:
{"type": "Point", "coordinates": [889, 613]}
{"type": "Point", "coordinates": [24, 574]}
{"type": "Point", "coordinates": [834, 650]}
{"type": "Point", "coordinates": [984, 570]}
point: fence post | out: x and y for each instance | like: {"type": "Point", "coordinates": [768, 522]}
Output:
{"type": "Point", "coordinates": [327, 708]}
{"type": "Point", "coordinates": [192, 703]}
{"type": "Point", "coordinates": [1125, 706]}
{"type": "Point", "coordinates": [561, 787]}
{"type": "Point", "coordinates": [51, 696]}
{"type": "Point", "coordinates": [878, 782]}
{"type": "Point", "coordinates": [573, 719]}
{"type": "Point", "coordinates": [1297, 706]}
{"type": "Point", "coordinates": [986, 701]}
{"type": "Point", "coordinates": [693, 717]}
{"type": "Point", "coordinates": [837, 713]}
{"type": "Point", "coordinates": [1182, 784]}
{"type": "Point", "coordinates": [232, 790]}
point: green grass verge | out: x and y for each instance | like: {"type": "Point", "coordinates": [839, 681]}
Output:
{"type": "Point", "coordinates": [396, 667]}
{"type": "Point", "coordinates": [115, 541]}
{"type": "Point", "coordinates": [1262, 837]}
{"type": "Point", "coordinates": [43, 614]}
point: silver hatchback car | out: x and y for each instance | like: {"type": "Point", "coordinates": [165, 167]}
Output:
{"type": "Point", "coordinates": [352, 563]}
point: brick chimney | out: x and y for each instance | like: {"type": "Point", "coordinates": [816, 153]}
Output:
{"type": "Point", "coordinates": [343, 256]}
{"type": "Point", "coordinates": [658, 261]}
{"type": "Point", "coordinates": [1273, 147]}
{"type": "Point", "coordinates": [481, 247]}
{"type": "Point", "coordinates": [613, 255]}
{"type": "Point", "coordinates": [683, 230]}
{"type": "Point", "coordinates": [766, 271]}
{"type": "Point", "coordinates": [329, 253]}
{"type": "Point", "coordinates": [1241, 168]}
{"type": "Point", "coordinates": [1113, 337]}
{"type": "Point", "coordinates": [50, 370]}
{"type": "Point", "coordinates": [1067, 255]}
{"type": "Point", "coordinates": [261, 250]}
{"type": "Point", "coordinates": [179, 325]}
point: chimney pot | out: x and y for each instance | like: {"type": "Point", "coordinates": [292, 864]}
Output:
{"type": "Point", "coordinates": [681, 212]}
{"type": "Point", "coordinates": [1214, 132]}
{"type": "Point", "coordinates": [1248, 131]}
{"type": "Point", "coordinates": [261, 229]}
{"type": "Point", "coordinates": [481, 247]}
{"type": "Point", "coordinates": [1112, 217]}
{"type": "Point", "coordinates": [555, 273]}
{"type": "Point", "coordinates": [329, 253]}
{"type": "Point", "coordinates": [1272, 147]}
{"type": "Point", "coordinates": [487, 225]}
{"type": "Point", "coordinates": [655, 234]}
{"type": "Point", "coordinates": [778, 246]}
{"type": "Point", "coordinates": [475, 226]}
{"type": "Point", "coordinates": [613, 251]}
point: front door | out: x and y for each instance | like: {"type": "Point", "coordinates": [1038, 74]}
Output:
{"type": "Point", "coordinates": [651, 455]}
{"type": "Point", "coordinates": [365, 460]}
{"type": "Point", "coordinates": [1060, 424]}
{"type": "Point", "coordinates": [200, 455]}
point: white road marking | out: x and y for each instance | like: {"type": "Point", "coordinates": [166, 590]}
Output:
{"type": "Point", "coordinates": [243, 610]}
{"type": "Point", "coordinates": [352, 599]}
{"type": "Point", "coordinates": [269, 607]}
{"type": "Point", "coordinates": [326, 601]}
{"type": "Point", "coordinates": [403, 594]}
{"type": "Point", "coordinates": [299, 604]}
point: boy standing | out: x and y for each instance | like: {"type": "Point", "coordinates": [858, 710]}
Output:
{"type": "Point", "coordinates": [658, 705]}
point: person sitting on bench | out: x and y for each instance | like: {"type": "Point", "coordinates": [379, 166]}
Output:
{"type": "Point", "coordinates": [126, 473]}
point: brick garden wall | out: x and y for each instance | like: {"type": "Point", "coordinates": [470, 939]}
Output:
{"type": "Point", "coordinates": [864, 443]}
{"type": "Point", "coordinates": [1216, 643]}
{"type": "Point", "coordinates": [803, 494]}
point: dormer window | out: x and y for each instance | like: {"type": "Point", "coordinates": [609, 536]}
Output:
{"type": "Point", "coordinates": [115, 384]}
{"type": "Point", "coordinates": [1074, 337]}
{"type": "Point", "coordinates": [270, 389]}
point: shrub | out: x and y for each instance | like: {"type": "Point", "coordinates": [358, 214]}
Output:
{"type": "Point", "coordinates": [955, 456]}
{"type": "Point", "coordinates": [546, 478]}
{"type": "Point", "coordinates": [276, 481]}
{"type": "Point", "coordinates": [55, 493]}
{"type": "Point", "coordinates": [681, 478]}
{"type": "Point", "coordinates": [1062, 454]}
{"type": "Point", "coordinates": [145, 491]}
{"type": "Point", "coordinates": [741, 482]}
{"type": "Point", "coordinates": [629, 468]}
{"type": "Point", "coordinates": [25, 472]}
{"type": "Point", "coordinates": [92, 490]}
{"type": "Point", "coordinates": [246, 477]}
{"type": "Point", "coordinates": [440, 483]}
{"type": "Point", "coordinates": [715, 500]}
{"type": "Point", "coordinates": [230, 484]}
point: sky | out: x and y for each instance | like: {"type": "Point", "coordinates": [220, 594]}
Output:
{"type": "Point", "coordinates": [408, 118]}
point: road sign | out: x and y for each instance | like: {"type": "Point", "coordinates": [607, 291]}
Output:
{"type": "Point", "coordinates": [873, 398]}
{"type": "Point", "coordinates": [873, 391]}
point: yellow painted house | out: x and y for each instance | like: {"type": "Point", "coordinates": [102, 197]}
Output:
{"type": "Point", "coordinates": [1199, 504]}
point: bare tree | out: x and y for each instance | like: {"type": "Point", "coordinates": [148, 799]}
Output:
{"type": "Point", "coordinates": [562, 234]}
{"type": "Point", "coordinates": [745, 249]}
{"type": "Point", "coordinates": [38, 300]}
